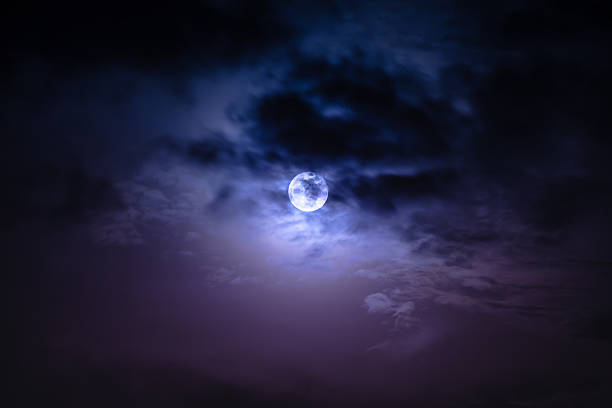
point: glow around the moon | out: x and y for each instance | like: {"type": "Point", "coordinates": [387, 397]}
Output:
{"type": "Point", "coordinates": [308, 191]}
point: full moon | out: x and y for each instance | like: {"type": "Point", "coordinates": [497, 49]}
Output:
{"type": "Point", "coordinates": [308, 191]}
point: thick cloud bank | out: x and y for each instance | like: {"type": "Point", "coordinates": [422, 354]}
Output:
{"type": "Point", "coordinates": [462, 257]}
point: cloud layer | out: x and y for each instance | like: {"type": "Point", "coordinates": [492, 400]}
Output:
{"type": "Point", "coordinates": [466, 147]}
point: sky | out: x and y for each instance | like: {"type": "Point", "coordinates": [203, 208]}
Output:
{"type": "Point", "coordinates": [153, 257]}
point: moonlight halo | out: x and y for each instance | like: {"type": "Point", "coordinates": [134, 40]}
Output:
{"type": "Point", "coordinates": [308, 191]}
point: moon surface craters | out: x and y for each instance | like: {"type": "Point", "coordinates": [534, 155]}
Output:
{"type": "Point", "coordinates": [308, 191]}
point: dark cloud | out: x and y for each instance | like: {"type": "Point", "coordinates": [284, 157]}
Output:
{"type": "Point", "coordinates": [291, 123]}
{"type": "Point", "coordinates": [385, 192]}
{"type": "Point", "coordinates": [541, 110]}
{"type": "Point", "coordinates": [210, 151]}
{"type": "Point", "coordinates": [376, 117]}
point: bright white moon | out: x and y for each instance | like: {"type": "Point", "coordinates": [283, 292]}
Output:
{"type": "Point", "coordinates": [308, 191]}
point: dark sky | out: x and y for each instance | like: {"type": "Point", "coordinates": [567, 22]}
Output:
{"type": "Point", "coordinates": [153, 258]}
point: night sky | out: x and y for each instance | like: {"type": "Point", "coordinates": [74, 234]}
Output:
{"type": "Point", "coordinates": [151, 254]}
